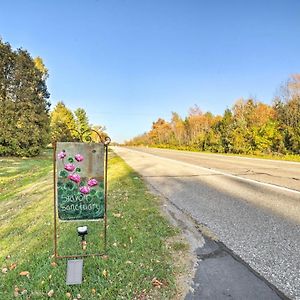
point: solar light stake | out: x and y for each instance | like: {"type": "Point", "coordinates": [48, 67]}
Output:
{"type": "Point", "coordinates": [82, 232]}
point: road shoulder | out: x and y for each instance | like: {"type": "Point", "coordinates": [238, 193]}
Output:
{"type": "Point", "coordinates": [210, 269]}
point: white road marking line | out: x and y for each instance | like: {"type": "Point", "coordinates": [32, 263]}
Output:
{"type": "Point", "coordinates": [221, 173]}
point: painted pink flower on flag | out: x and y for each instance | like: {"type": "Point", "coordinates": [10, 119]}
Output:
{"type": "Point", "coordinates": [75, 177]}
{"type": "Point", "coordinates": [84, 189]}
{"type": "Point", "coordinates": [69, 167]}
{"type": "Point", "coordinates": [61, 155]}
{"type": "Point", "coordinates": [79, 157]}
{"type": "Point", "coordinates": [92, 182]}
{"type": "Point", "coordinates": [84, 186]}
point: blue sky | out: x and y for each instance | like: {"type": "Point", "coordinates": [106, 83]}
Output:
{"type": "Point", "coordinates": [128, 62]}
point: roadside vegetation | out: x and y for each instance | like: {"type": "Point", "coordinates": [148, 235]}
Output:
{"type": "Point", "coordinates": [275, 156]}
{"type": "Point", "coordinates": [250, 127]}
{"type": "Point", "coordinates": [138, 264]}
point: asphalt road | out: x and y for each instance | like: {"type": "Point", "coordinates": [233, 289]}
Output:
{"type": "Point", "coordinates": [251, 205]}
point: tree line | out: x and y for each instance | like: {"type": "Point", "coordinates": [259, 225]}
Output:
{"type": "Point", "coordinates": [26, 124]}
{"type": "Point", "coordinates": [249, 127]}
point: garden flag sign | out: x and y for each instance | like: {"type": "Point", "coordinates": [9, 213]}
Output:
{"type": "Point", "coordinates": [80, 181]}
{"type": "Point", "coordinates": [80, 186]}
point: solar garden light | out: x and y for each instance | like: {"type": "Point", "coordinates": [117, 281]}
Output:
{"type": "Point", "coordinates": [82, 232]}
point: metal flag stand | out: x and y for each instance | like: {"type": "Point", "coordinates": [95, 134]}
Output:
{"type": "Point", "coordinates": [83, 138]}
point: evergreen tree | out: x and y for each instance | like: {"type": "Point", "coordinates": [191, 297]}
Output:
{"type": "Point", "coordinates": [82, 122]}
{"type": "Point", "coordinates": [63, 125]}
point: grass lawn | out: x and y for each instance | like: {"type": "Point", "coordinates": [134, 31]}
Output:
{"type": "Point", "coordinates": [139, 264]}
{"type": "Point", "coordinates": [286, 157]}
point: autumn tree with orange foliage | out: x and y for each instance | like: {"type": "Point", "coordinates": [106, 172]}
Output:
{"type": "Point", "coordinates": [249, 127]}
{"type": "Point", "coordinates": [287, 106]}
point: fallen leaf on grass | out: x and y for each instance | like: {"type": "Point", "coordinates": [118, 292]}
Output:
{"type": "Point", "coordinates": [24, 273]}
{"type": "Point", "coordinates": [24, 292]}
{"type": "Point", "coordinates": [54, 264]}
{"type": "Point", "coordinates": [128, 262]}
{"type": "Point", "coordinates": [93, 291]}
{"type": "Point", "coordinates": [105, 257]}
{"type": "Point", "coordinates": [105, 273]}
{"type": "Point", "coordinates": [117, 215]}
{"type": "Point", "coordinates": [16, 291]}
{"type": "Point", "coordinates": [13, 266]}
{"type": "Point", "coordinates": [4, 270]}
{"type": "Point", "coordinates": [156, 283]}
{"type": "Point", "coordinates": [50, 293]}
